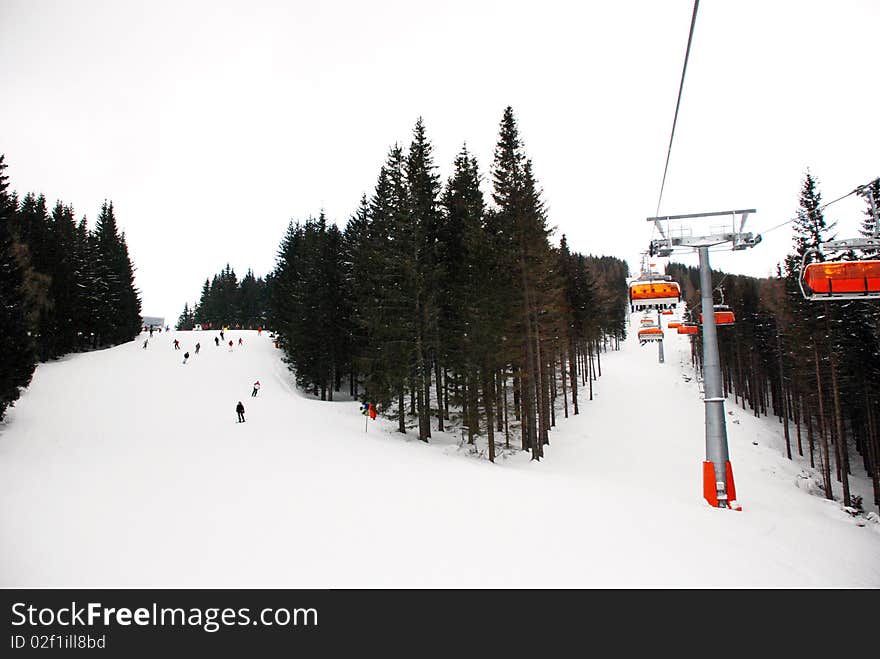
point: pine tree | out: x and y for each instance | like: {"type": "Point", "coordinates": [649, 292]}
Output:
{"type": "Point", "coordinates": [422, 219]}
{"type": "Point", "coordinates": [186, 320]}
{"type": "Point", "coordinates": [522, 218]}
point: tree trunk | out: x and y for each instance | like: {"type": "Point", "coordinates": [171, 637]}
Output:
{"type": "Point", "coordinates": [564, 387]}
{"type": "Point", "coordinates": [783, 395]}
{"type": "Point", "coordinates": [573, 375]}
{"type": "Point", "coordinates": [401, 413]}
{"type": "Point", "coordinates": [488, 404]}
{"type": "Point", "coordinates": [843, 458]}
{"type": "Point", "coordinates": [438, 376]}
{"type": "Point", "coordinates": [826, 461]}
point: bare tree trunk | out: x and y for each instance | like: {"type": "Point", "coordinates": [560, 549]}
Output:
{"type": "Point", "coordinates": [589, 366]}
{"type": "Point", "coordinates": [425, 415]}
{"type": "Point", "coordinates": [826, 461]}
{"type": "Point", "coordinates": [573, 375]}
{"type": "Point", "coordinates": [517, 384]}
{"type": "Point", "coordinates": [783, 394]}
{"type": "Point", "coordinates": [506, 426]}
{"type": "Point", "coordinates": [842, 457]}
{"type": "Point", "coordinates": [438, 376]}
{"type": "Point", "coordinates": [401, 414]}
{"type": "Point", "coordinates": [488, 403]}
{"type": "Point", "coordinates": [445, 393]}
{"type": "Point", "coordinates": [552, 378]}
{"type": "Point", "coordinates": [811, 441]}
{"type": "Point", "coordinates": [499, 401]}
{"type": "Point", "coordinates": [564, 387]}
{"type": "Point", "coordinates": [473, 411]}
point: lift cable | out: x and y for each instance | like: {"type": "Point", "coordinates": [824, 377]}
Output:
{"type": "Point", "coordinates": [824, 206]}
{"type": "Point", "coordinates": [678, 102]}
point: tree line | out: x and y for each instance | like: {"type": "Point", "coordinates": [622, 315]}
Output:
{"type": "Point", "coordinates": [63, 287]}
{"type": "Point", "coordinates": [812, 364]}
{"type": "Point", "coordinates": [435, 301]}
{"type": "Point", "coordinates": [227, 302]}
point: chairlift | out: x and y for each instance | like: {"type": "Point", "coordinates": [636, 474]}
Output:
{"type": "Point", "coordinates": [674, 324]}
{"type": "Point", "coordinates": [654, 294]}
{"type": "Point", "coordinates": [723, 315]}
{"type": "Point", "coordinates": [839, 279]}
{"type": "Point", "coordinates": [852, 274]}
{"type": "Point", "coordinates": [649, 334]}
{"type": "Point", "coordinates": [688, 329]}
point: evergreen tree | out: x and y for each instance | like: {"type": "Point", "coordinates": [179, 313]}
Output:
{"type": "Point", "coordinates": [186, 320]}
{"type": "Point", "coordinates": [422, 220]}
{"type": "Point", "coordinates": [18, 362]}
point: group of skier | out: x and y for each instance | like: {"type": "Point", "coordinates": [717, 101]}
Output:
{"type": "Point", "coordinates": [239, 408]}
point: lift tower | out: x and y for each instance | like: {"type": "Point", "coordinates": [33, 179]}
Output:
{"type": "Point", "coordinates": [718, 485]}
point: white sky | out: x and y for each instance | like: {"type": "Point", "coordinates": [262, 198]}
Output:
{"type": "Point", "coordinates": [212, 124]}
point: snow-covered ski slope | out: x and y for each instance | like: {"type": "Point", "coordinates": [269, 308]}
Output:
{"type": "Point", "coordinates": [125, 467]}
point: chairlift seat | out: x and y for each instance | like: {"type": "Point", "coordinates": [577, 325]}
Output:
{"type": "Point", "coordinates": [842, 280]}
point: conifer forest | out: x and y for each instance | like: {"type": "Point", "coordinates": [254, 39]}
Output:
{"type": "Point", "coordinates": [451, 300]}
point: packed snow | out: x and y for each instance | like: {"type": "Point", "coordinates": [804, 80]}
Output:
{"type": "Point", "coordinates": [127, 468]}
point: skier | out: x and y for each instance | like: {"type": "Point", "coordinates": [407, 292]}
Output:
{"type": "Point", "coordinates": [151, 331]}
{"type": "Point", "coordinates": [256, 388]}
{"type": "Point", "coordinates": [145, 343]}
{"type": "Point", "coordinates": [240, 342]}
{"type": "Point", "coordinates": [222, 338]}
{"type": "Point", "coordinates": [216, 342]}
{"type": "Point", "coordinates": [239, 409]}
{"type": "Point", "coordinates": [259, 330]}
{"type": "Point", "coordinates": [198, 345]}
{"type": "Point", "coordinates": [230, 345]}
{"type": "Point", "coordinates": [185, 357]}
{"type": "Point", "coordinates": [176, 344]}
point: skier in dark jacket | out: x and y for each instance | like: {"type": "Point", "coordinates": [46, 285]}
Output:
{"type": "Point", "coordinates": [239, 409]}
{"type": "Point", "coordinates": [198, 345]}
{"type": "Point", "coordinates": [216, 342]}
{"type": "Point", "coordinates": [185, 357]}
{"type": "Point", "coordinates": [176, 344]}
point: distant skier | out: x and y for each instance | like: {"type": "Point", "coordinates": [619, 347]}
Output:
{"type": "Point", "coordinates": [259, 331]}
{"type": "Point", "coordinates": [239, 409]}
{"type": "Point", "coordinates": [151, 331]}
{"type": "Point", "coordinates": [230, 345]}
{"type": "Point", "coordinates": [222, 338]}
{"type": "Point", "coordinates": [176, 344]}
{"type": "Point", "coordinates": [216, 342]}
{"type": "Point", "coordinates": [185, 357]}
{"type": "Point", "coordinates": [256, 388]}
{"type": "Point", "coordinates": [240, 342]}
{"type": "Point", "coordinates": [145, 343]}
{"type": "Point", "coordinates": [198, 346]}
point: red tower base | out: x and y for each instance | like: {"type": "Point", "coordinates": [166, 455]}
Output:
{"type": "Point", "coordinates": [710, 492]}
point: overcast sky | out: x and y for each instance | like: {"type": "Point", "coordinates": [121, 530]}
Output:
{"type": "Point", "coordinates": [211, 125]}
